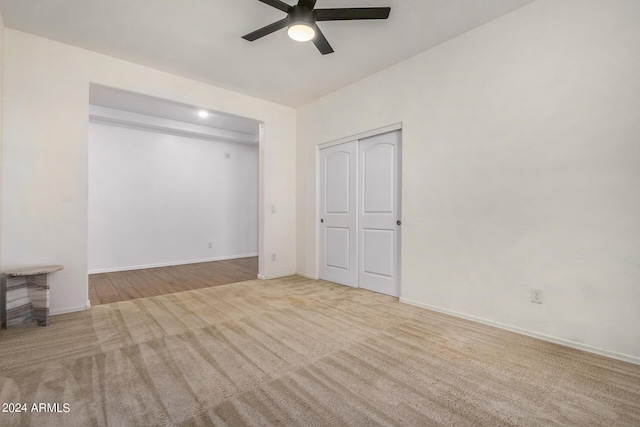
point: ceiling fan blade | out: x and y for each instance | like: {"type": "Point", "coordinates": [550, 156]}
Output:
{"type": "Point", "coordinates": [310, 4]}
{"type": "Point", "coordinates": [352, 13]}
{"type": "Point", "coordinates": [277, 4]}
{"type": "Point", "coordinates": [264, 31]}
{"type": "Point", "coordinates": [321, 42]}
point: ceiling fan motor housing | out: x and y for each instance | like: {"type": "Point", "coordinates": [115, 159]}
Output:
{"type": "Point", "coordinates": [302, 15]}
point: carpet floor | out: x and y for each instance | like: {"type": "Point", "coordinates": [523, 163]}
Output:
{"type": "Point", "coordinates": [299, 352]}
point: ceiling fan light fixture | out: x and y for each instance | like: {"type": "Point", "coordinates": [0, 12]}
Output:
{"type": "Point", "coordinates": [301, 20]}
{"type": "Point", "coordinates": [301, 32]}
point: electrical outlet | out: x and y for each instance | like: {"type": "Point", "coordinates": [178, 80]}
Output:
{"type": "Point", "coordinates": [227, 156]}
{"type": "Point", "coordinates": [210, 245]}
{"type": "Point", "coordinates": [536, 295]}
{"type": "Point", "coordinates": [273, 208]}
{"type": "Point", "coordinates": [273, 257]}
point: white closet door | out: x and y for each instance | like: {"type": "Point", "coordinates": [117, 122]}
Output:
{"type": "Point", "coordinates": [379, 213]}
{"type": "Point", "coordinates": [338, 214]}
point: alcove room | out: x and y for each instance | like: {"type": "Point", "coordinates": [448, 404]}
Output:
{"type": "Point", "coordinates": [331, 212]}
{"type": "Point", "coordinates": [173, 197]}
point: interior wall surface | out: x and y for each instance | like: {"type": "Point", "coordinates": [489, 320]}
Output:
{"type": "Point", "coordinates": [521, 169]}
{"type": "Point", "coordinates": [2, 302]}
{"type": "Point", "coordinates": [46, 110]}
{"type": "Point", "coordinates": [158, 199]}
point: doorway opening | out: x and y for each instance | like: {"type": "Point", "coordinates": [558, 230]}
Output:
{"type": "Point", "coordinates": [173, 196]}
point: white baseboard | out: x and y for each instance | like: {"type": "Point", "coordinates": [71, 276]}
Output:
{"type": "Point", "coordinates": [68, 310]}
{"type": "Point", "coordinates": [308, 276]}
{"type": "Point", "coordinates": [275, 276]}
{"type": "Point", "coordinates": [556, 340]}
{"type": "Point", "coordinates": [169, 264]}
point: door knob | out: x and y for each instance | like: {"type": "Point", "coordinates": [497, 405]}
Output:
{"type": "Point", "coordinates": [321, 219]}
{"type": "Point", "coordinates": [398, 222]}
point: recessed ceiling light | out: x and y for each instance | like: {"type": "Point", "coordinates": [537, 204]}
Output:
{"type": "Point", "coordinates": [203, 114]}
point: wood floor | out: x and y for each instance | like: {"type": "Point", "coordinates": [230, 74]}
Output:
{"type": "Point", "coordinates": [106, 288]}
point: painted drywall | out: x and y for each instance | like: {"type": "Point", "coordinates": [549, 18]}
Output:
{"type": "Point", "coordinates": [2, 302]}
{"type": "Point", "coordinates": [158, 199]}
{"type": "Point", "coordinates": [521, 169]}
{"type": "Point", "coordinates": [46, 93]}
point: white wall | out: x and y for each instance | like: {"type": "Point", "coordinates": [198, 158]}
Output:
{"type": "Point", "coordinates": [1, 98]}
{"type": "Point", "coordinates": [46, 93]}
{"type": "Point", "coordinates": [2, 302]}
{"type": "Point", "coordinates": [159, 199]}
{"type": "Point", "coordinates": [521, 168]}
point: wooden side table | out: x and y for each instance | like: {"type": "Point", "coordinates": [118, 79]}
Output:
{"type": "Point", "coordinates": [27, 295]}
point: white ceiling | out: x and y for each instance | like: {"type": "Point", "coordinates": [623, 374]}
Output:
{"type": "Point", "coordinates": [201, 39]}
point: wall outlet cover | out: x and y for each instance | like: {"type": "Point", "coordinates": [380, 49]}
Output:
{"type": "Point", "coordinates": [536, 295]}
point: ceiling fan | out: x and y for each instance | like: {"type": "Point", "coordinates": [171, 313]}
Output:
{"type": "Point", "coordinates": [301, 20]}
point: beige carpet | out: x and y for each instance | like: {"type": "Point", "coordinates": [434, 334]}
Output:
{"type": "Point", "coordinates": [305, 353]}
